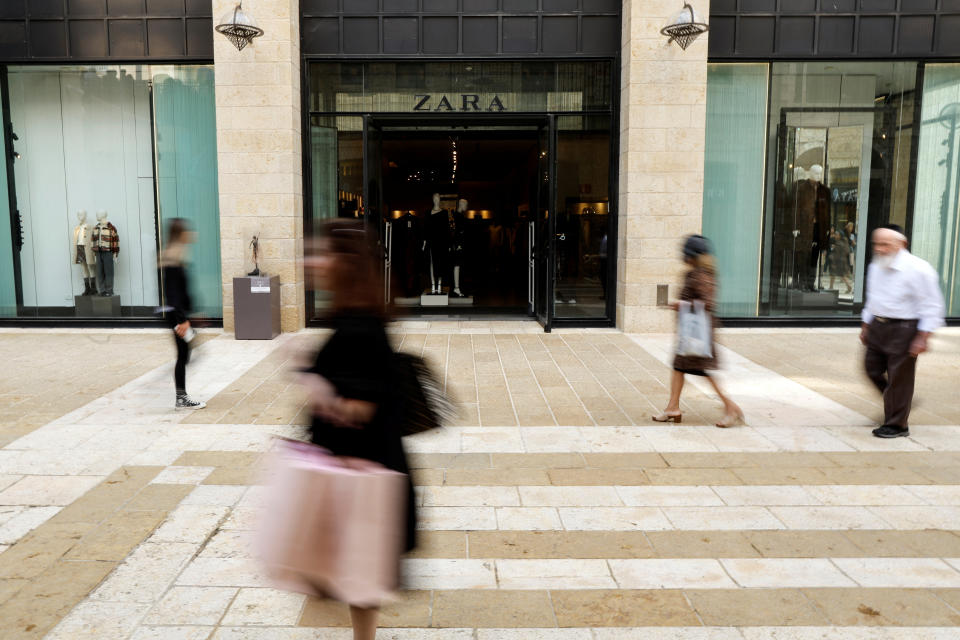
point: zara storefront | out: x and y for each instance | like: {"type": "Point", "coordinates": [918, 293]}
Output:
{"type": "Point", "coordinates": [477, 140]}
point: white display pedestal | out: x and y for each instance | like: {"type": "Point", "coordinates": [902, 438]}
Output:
{"type": "Point", "coordinates": [434, 300]}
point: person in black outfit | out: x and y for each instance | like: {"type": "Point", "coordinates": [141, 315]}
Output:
{"type": "Point", "coordinates": [176, 293]}
{"type": "Point", "coordinates": [351, 383]}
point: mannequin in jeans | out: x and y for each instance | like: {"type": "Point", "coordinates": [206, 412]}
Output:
{"type": "Point", "coordinates": [106, 246]}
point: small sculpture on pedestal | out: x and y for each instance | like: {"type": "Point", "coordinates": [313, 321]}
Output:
{"type": "Point", "coordinates": [255, 250]}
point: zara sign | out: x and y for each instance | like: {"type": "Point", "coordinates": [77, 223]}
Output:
{"type": "Point", "coordinates": [465, 102]}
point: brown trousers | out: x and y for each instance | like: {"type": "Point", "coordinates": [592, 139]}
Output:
{"type": "Point", "coordinates": [891, 368]}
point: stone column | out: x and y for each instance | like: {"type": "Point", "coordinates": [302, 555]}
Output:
{"type": "Point", "coordinates": [662, 123]}
{"type": "Point", "coordinates": [259, 153]}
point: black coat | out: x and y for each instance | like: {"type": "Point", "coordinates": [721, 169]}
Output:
{"type": "Point", "coordinates": [359, 361]}
{"type": "Point", "coordinates": [176, 293]}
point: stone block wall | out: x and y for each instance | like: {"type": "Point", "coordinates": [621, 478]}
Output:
{"type": "Point", "coordinates": [662, 125]}
{"type": "Point", "coordinates": [259, 153]}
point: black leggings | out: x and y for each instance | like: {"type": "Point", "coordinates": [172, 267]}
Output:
{"type": "Point", "coordinates": [180, 369]}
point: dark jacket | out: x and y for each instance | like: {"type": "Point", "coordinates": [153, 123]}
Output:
{"type": "Point", "coordinates": [176, 293]}
{"type": "Point", "coordinates": [359, 361]}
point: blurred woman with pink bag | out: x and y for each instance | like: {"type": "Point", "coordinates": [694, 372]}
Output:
{"type": "Point", "coordinates": [363, 489]}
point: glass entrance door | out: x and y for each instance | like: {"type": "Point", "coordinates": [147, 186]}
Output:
{"type": "Point", "coordinates": [543, 227]}
{"type": "Point", "coordinates": [458, 207]}
{"type": "Point", "coordinates": [505, 215]}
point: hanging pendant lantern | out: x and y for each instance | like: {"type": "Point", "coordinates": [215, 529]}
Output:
{"type": "Point", "coordinates": [238, 27]}
{"type": "Point", "coordinates": [684, 27]}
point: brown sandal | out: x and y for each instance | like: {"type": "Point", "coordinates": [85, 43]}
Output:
{"type": "Point", "coordinates": [669, 417]}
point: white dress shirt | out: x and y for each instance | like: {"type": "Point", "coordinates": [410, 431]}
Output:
{"type": "Point", "coordinates": [909, 289]}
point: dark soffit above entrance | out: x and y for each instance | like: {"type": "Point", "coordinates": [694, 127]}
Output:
{"type": "Point", "coordinates": [105, 30]}
{"type": "Point", "coordinates": [803, 29]}
{"type": "Point", "coordinates": [468, 28]}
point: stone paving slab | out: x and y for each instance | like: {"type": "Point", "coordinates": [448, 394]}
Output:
{"type": "Point", "coordinates": [42, 391]}
{"type": "Point", "coordinates": [834, 368]}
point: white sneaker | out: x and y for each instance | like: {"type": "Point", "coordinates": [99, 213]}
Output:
{"type": "Point", "coordinates": [186, 402]}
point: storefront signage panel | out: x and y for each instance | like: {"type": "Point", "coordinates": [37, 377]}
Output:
{"type": "Point", "coordinates": [466, 103]}
{"type": "Point", "coordinates": [457, 87]}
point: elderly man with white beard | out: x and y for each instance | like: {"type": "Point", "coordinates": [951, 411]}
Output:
{"type": "Point", "coordinates": [904, 306]}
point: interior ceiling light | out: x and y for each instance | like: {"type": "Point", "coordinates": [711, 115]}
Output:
{"type": "Point", "coordinates": [238, 27]}
{"type": "Point", "coordinates": [684, 27]}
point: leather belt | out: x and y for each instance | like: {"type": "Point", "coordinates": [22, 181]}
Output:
{"type": "Point", "coordinates": [883, 320]}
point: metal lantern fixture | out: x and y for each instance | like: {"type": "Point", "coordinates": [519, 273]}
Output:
{"type": "Point", "coordinates": [239, 27]}
{"type": "Point", "coordinates": [684, 27]}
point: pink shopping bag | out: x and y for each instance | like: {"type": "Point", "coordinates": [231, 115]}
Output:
{"type": "Point", "coordinates": [333, 526]}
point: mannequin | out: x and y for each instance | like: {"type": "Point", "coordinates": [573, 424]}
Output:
{"type": "Point", "coordinates": [821, 225]}
{"type": "Point", "coordinates": [106, 248]}
{"type": "Point", "coordinates": [458, 228]}
{"type": "Point", "coordinates": [811, 219]}
{"type": "Point", "coordinates": [437, 244]}
{"type": "Point", "coordinates": [83, 253]}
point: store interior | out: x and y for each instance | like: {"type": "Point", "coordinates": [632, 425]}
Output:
{"type": "Point", "coordinates": [486, 182]}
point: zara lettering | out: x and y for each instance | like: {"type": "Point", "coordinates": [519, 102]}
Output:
{"type": "Point", "coordinates": [468, 102]}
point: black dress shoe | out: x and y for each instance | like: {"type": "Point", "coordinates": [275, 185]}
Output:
{"type": "Point", "coordinates": [888, 431]}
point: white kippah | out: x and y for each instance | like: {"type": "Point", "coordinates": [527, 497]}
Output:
{"type": "Point", "coordinates": [896, 234]}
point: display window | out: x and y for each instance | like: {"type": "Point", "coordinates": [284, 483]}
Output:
{"type": "Point", "coordinates": [805, 159]}
{"type": "Point", "coordinates": [99, 158]}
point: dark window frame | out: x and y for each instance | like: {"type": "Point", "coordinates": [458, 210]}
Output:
{"type": "Point", "coordinates": [582, 15]}
{"type": "Point", "coordinates": [195, 47]}
{"type": "Point", "coordinates": [725, 44]}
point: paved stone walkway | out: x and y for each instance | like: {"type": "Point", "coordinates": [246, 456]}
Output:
{"type": "Point", "coordinates": [555, 508]}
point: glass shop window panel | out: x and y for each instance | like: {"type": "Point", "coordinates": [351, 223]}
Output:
{"type": "Point", "coordinates": [839, 149]}
{"type": "Point", "coordinates": [583, 217]}
{"type": "Point", "coordinates": [733, 180]}
{"type": "Point", "coordinates": [89, 167]}
{"type": "Point", "coordinates": [336, 171]}
{"type": "Point", "coordinates": [336, 180]}
{"type": "Point", "coordinates": [186, 147]}
{"type": "Point", "coordinates": [936, 216]}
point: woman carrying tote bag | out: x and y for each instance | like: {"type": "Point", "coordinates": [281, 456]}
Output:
{"type": "Point", "coordinates": [356, 398]}
{"type": "Point", "coordinates": [696, 349]}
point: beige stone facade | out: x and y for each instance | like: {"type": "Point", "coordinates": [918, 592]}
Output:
{"type": "Point", "coordinates": [662, 123]}
{"type": "Point", "coordinates": [662, 126]}
{"type": "Point", "coordinates": [259, 155]}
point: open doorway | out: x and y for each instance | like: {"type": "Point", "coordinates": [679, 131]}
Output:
{"type": "Point", "coordinates": [457, 208]}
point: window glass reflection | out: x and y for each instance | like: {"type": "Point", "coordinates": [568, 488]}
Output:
{"type": "Point", "coordinates": [839, 155]}
{"type": "Point", "coordinates": [583, 216]}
